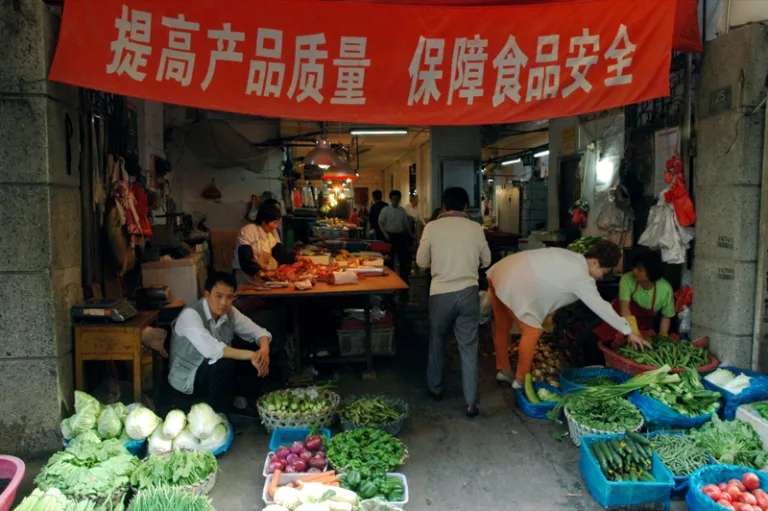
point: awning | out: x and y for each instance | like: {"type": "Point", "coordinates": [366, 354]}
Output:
{"type": "Point", "coordinates": [372, 63]}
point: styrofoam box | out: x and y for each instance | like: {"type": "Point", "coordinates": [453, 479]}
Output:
{"type": "Point", "coordinates": [292, 478]}
{"type": "Point", "coordinates": [746, 413]}
{"type": "Point", "coordinates": [266, 473]}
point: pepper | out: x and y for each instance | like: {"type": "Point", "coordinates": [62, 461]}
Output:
{"type": "Point", "coordinates": [353, 478]}
{"type": "Point", "coordinates": [368, 490]}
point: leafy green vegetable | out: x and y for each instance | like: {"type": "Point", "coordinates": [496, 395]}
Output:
{"type": "Point", "coordinates": [180, 468]}
{"type": "Point", "coordinates": [609, 415]}
{"type": "Point", "coordinates": [366, 449]}
{"type": "Point", "coordinates": [369, 411]}
{"type": "Point", "coordinates": [731, 442]}
{"type": "Point", "coordinates": [688, 396]}
{"type": "Point", "coordinates": [54, 500]}
{"type": "Point", "coordinates": [302, 400]}
{"type": "Point", "coordinates": [762, 409]}
{"type": "Point", "coordinates": [89, 469]}
{"type": "Point", "coordinates": [168, 499]}
{"type": "Point", "coordinates": [668, 352]}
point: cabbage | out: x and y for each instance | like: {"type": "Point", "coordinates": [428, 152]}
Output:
{"type": "Point", "coordinates": [720, 377]}
{"type": "Point", "coordinates": [217, 439]}
{"type": "Point", "coordinates": [86, 403]}
{"type": "Point", "coordinates": [174, 423]}
{"type": "Point", "coordinates": [141, 422]}
{"type": "Point", "coordinates": [186, 441]}
{"type": "Point", "coordinates": [66, 429]}
{"type": "Point", "coordinates": [288, 497]}
{"type": "Point", "coordinates": [202, 420]}
{"type": "Point", "coordinates": [109, 425]}
{"type": "Point", "coordinates": [89, 437]}
{"type": "Point", "coordinates": [121, 411]}
{"type": "Point", "coordinates": [81, 422]}
{"type": "Point", "coordinates": [85, 417]}
{"type": "Point", "coordinates": [158, 442]}
{"type": "Point", "coordinates": [124, 438]}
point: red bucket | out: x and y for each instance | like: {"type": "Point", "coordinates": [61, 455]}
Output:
{"type": "Point", "coordinates": [10, 468]}
{"type": "Point", "coordinates": [622, 363]}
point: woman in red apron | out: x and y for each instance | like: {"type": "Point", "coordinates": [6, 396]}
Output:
{"type": "Point", "coordinates": [644, 294]}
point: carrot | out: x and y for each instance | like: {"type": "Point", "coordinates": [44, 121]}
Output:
{"type": "Point", "coordinates": [274, 484]}
{"type": "Point", "coordinates": [315, 478]}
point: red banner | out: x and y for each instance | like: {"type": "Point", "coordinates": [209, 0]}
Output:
{"type": "Point", "coordinates": [372, 63]}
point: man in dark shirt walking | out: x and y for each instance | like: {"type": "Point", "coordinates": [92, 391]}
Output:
{"type": "Point", "coordinates": [376, 208]}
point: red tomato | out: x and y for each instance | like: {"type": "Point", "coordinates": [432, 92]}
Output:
{"type": "Point", "coordinates": [738, 483]}
{"type": "Point", "coordinates": [751, 481]}
{"type": "Point", "coordinates": [726, 496]}
{"type": "Point", "coordinates": [748, 498]}
{"type": "Point", "coordinates": [726, 504]}
{"type": "Point", "coordinates": [711, 491]}
{"type": "Point", "coordinates": [722, 486]}
{"type": "Point", "coordinates": [743, 507]}
{"type": "Point", "coordinates": [734, 491]}
{"type": "Point", "coordinates": [762, 500]}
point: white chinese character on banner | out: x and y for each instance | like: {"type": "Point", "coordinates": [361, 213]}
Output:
{"type": "Point", "coordinates": [508, 63]}
{"type": "Point", "coordinates": [226, 40]}
{"type": "Point", "coordinates": [177, 62]}
{"type": "Point", "coordinates": [266, 78]}
{"type": "Point", "coordinates": [467, 68]}
{"type": "Point", "coordinates": [352, 64]}
{"type": "Point", "coordinates": [588, 47]}
{"type": "Point", "coordinates": [544, 81]}
{"type": "Point", "coordinates": [131, 47]}
{"type": "Point", "coordinates": [307, 72]}
{"type": "Point", "coordinates": [423, 70]}
{"type": "Point", "coordinates": [622, 56]}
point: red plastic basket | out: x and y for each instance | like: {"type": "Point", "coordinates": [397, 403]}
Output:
{"type": "Point", "coordinates": [622, 363]}
{"type": "Point", "coordinates": [379, 246]}
{"type": "Point", "coordinates": [10, 468]}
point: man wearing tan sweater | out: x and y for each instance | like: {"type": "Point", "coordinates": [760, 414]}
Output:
{"type": "Point", "coordinates": [454, 248]}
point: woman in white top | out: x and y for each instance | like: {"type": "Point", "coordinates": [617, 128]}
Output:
{"type": "Point", "coordinates": [526, 287]}
{"type": "Point", "coordinates": [257, 244]}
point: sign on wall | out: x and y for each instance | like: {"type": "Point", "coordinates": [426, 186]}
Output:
{"type": "Point", "coordinates": [372, 63]}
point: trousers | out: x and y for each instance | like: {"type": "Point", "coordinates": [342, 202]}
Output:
{"type": "Point", "coordinates": [457, 312]}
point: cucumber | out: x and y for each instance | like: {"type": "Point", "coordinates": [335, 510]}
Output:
{"type": "Point", "coordinates": [638, 438]}
{"type": "Point", "coordinates": [530, 394]}
{"type": "Point", "coordinates": [646, 476]}
{"type": "Point", "coordinates": [632, 477]}
{"type": "Point", "coordinates": [600, 458]}
{"type": "Point", "coordinates": [616, 445]}
{"type": "Point", "coordinates": [610, 455]}
{"type": "Point", "coordinates": [617, 460]}
{"type": "Point", "coordinates": [606, 453]}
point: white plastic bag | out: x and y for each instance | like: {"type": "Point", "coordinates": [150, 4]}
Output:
{"type": "Point", "coordinates": [665, 234]}
{"type": "Point", "coordinates": [685, 320]}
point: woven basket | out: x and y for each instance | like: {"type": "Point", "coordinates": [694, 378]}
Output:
{"type": "Point", "coordinates": [393, 427]}
{"type": "Point", "coordinates": [576, 430]}
{"type": "Point", "coordinates": [322, 418]}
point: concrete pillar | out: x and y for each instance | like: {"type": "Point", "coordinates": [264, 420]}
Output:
{"type": "Point", "coordinates": [40, 237]}
{"type": "Point", "coordinates": [727, 190]}
{"type": "Point", "coordinates": [452, 143]}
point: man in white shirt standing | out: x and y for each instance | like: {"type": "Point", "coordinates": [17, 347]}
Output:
{"type": "Point", "coordinates": [394, 225]}
{"type": "Point", "coordinates": [414, 214]}
{"type": "Point", "coordinates": [528, 286]}
{"type": "Point", "coordinates": [454, 248]}
{"type": "Point", "coordinates": [203, 362]}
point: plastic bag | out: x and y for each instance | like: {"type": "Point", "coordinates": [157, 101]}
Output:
{"type": "Point", "coordinates": [612, 218]}
{"type": "Point", "coordinates": [486, 311]}
{"type": "Point", "coordinates": [657, 415]}
{"type": "Point", "coordinates": [665, 234]}
{"type": "Point", "coordinates": [757, 391]}
{"type": "Point", "coordinates": [685, 320]}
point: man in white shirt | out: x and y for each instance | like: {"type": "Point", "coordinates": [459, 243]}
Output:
{"type": "Point", "coordinates": [396, 229]}
{"type": "Point", "coordinates": [414, 214]}
{"type": "Point", "coordinates": [203, 361]}
{"type": "Point", "coordinates": [526, 287]}
{"type": "Point", "coordinates": [454, 248]}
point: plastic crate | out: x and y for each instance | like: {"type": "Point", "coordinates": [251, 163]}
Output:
{"type": "Point", "coordinates": [13, 468]}
{"type": "Point", "coordinates": [622, 363]}
{"type": "Point", "coordinates": [612, 494]}
{"type": "Point", "coordinates": [569, 377]}
{"type": "Point", "coordinates": [715, 474]}
{"type": "Point", "coordinates": [286, 436]}
{"type": "Point", "coordinates": [352, 342]}
{"type": "Point", "coordinates": [757, 391]}
{"type": "Point", "coordinates": [746, 413]}
{"type": "Point", "coordinates": [536, 410]}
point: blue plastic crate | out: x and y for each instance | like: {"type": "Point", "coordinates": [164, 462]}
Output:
{"type": "Point", "coordinates": [657, 415]}
{"type": "Point", "coordinates": [536, 410]}
{"type": "Point", "coordinates": [715, 474]}
{"type": "Point", "coordinates": [569, 376]}
{"type": "Point", "coordinates": [286, 436]}
{"type": "Point", "coordinates": [644, 495]}
{"type": "Point", "coordinates": [757, 391]}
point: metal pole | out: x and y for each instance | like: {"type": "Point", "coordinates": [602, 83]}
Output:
{"type": "Point", "coordinates": [760, 281]}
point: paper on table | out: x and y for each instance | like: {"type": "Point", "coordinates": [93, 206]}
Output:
{"type": "Point", "coordinates": [343, 278]}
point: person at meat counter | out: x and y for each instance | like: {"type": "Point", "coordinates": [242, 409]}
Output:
{"type": "Point", "coordinates": [396, 229]}
{"type": "Point", "coordinates": [215, 348]}
{"type": "Point", "coordinates": [644, 294]}
{"type": "Point", "coordinates": [526, 287]}
{"type": "Point", "coordinates": [454, 301]}
{"type": "Point", "coordinates": [258, 245]}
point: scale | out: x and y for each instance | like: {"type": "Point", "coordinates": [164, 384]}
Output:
{"type": "Point", "coordinates": [104, 309]}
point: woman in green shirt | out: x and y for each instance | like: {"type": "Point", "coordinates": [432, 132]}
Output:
{"type": "Point", "coordinates": [644, 294]}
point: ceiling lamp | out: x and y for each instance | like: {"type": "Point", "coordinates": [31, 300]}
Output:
{"type": "Point", "coordinates": [541, 154]}
{"type": "Point", "coordinates": [378, 131]}
{"type": "Point", "coordinates": [340, 170]}
{"type": "Point", "coordinates": [511, 162]}
{"type": "Point", "coordinates": [322, 155]}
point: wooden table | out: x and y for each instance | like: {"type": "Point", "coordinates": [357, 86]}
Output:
{"type": "Point", "coordinates": [365, 288]}
{"type": "Point", "coordinates": [113, 341]}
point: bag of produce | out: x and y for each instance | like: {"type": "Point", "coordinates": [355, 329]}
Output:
{"type": "Point", "coordinates": [216, 440]}
{"type": "Point", "coordinates": [141, 422]}
{"type": "Point", "coordinates": [186, 441]}
{"type": "Point", "coordinates": [202, 420]}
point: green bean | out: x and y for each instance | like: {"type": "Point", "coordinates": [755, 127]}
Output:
{"type": "Point", "coordinates": [370, 411]}
{"type": "Point", "coordinates": [680, 454]}
{"type": "Point", "coordinates": [668, 352]}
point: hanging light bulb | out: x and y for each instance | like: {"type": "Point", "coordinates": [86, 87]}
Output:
{"type": "Point", "coordinates": [340, 171]}
{"type": "Point", "coordinates": [322, 155]}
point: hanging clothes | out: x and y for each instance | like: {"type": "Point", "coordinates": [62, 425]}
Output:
{"type": "Point", "coordinates": [142, 208]}
{"type": "Point", "coordinates": [126, 204]}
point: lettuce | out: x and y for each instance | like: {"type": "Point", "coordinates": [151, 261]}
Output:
{"type": "Point", "coordinates": [141, 422]}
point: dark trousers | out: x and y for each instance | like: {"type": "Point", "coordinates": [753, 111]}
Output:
{"type": "Point", "coordinates": [218, 384]}
{"type": "Point", "coordinates": [401, 250]}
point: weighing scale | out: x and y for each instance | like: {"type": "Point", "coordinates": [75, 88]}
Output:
{"type": "Point", "coordinates": [104, 309]}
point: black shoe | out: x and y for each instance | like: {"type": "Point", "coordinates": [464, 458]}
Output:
{"type": "Point", "coordinates": [472, 411]}
{"type": "Point", "coordinates": [249, 412]}
{"type": "Point", "coordinates": [437, 396]}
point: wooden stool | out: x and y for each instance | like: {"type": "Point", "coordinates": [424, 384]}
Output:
{"type": "Point", "coordinates": [114, 341]}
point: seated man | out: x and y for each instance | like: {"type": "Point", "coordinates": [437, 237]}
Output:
{"type": "Point", "coordinates": [204, 364]}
